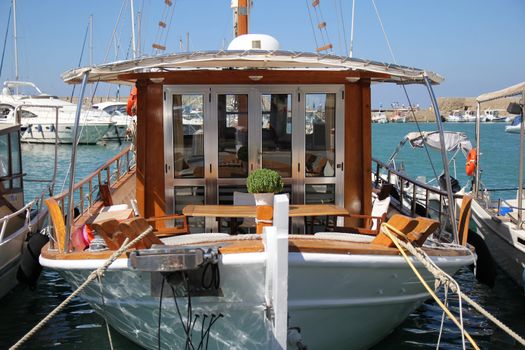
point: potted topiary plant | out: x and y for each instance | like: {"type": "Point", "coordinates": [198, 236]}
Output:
{"type": "Point", "coordinates": [263, 183]}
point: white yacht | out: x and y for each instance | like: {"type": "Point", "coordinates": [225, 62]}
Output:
{"type": "Point", "coordinates": [470, 116]}
{"type": "Point", "coordinates": [455, 116]}
{"type": "Point", "coordinates": [45, 118]}
{"type": "Point", "coordinates": [119, 116]}
{"type": "Point", "coordinates": [379, 117]}
{"type": "Point", "coordinates": [492, 116]}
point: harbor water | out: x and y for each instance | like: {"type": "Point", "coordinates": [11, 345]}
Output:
{"type": "Point", "coordinates": [79, 327]}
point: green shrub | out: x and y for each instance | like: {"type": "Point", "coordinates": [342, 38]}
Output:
{"type": "Point", "coordinates": [264, 181]}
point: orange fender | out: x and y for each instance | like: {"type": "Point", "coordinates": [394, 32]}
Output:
{"type": "Point", "coordinates": [472, 162]}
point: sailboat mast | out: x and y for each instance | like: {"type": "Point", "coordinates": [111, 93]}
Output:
{"type": "Point", "coordinates": [15, 40]}
{"type": "Point", "coordinates": [520, 173]}
{"type": "Point", "coordinates": [351, 53]}
{"type": "Point", "coordinates": [91, 40]}
{"type": "Point", "coordinates": [241, 13]}
{"type": "Point", "coordinates": [133, 46]}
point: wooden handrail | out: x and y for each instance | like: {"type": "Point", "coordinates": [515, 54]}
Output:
{"type": "Point", "coordinates": [99, 170]}
{"type": "Point", "coordinates": [87, 201]}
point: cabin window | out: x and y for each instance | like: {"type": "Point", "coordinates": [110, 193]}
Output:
{"type": "Point", "coordinates": [295, 130]}
{"type": "Point", "coordinates": [186, 195]}
{"type": "Point", "coordinates": [320, 135]}
{"type": "Point", "coordinates": [16, 166]}
{"type": "Point", "coordinates": [5, 110]}
{"type": "Point", "coordinates": [232, 126]}
{"type": "Point", "coordinates": [277, 133]}
{"type": "Point", "coordinates": [10, 161]}
{"type": "Point", "coordinates": [4, 160]}
{"type": "Point", "coordinates": [188, 136]}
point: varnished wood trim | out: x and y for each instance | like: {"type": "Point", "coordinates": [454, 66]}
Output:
{"type": "Point", "coordinates": [150, 150]}
{"type": "Point", "coordinates": [366, 133]}
{"type": "Point", "coordinates": [308, 244]}
{"type": "Point", "coordinates": [211, 77]}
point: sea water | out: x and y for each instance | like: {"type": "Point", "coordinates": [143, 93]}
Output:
{"type": "Point", "coordinates": [79, 327]}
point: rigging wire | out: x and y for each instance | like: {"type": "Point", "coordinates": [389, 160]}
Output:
{"type": "Point", "coordinates": [80, 59]}
{"type": "Point", "coordinates": [169, 24]}
{"type": "Point", "coordinates": [114, 36]}
{"type": "Point", "coordinates": [405, 90]}
{"type": "Point", "coordinates": [161, 35]}
{"type": "Point", "coordinates": [5, 38]}
{"type": "Point", "coordinates": [342, 23]}
{"type": "Point", "coordinates": [311, 23]}
{"type": "Point", "coordinates": [324, 26]}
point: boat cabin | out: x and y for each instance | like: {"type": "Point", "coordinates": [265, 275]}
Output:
{"type": "Point", "coordinates": [205, 120]}
{"type": "Point", "coordinates": [11, 184]}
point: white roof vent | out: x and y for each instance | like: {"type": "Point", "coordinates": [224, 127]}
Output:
{"type": "Point", "coordinates": [254, 42]}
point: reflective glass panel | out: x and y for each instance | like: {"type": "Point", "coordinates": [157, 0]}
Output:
{"type": "Point", "coordinates": [4, 159]}
{"type": "Point", "coordinates": [186, 195]}
{"type": "Point", "coordinates": [16, 167]}
{"type": "Point", "coordinates": [320, 135]}
{"type": "Point", "coordinates": [188, 136]}
{"type": "Point", "coordinates": [277, 133]}
{"type": "Point", "coordinates": [232, 124]}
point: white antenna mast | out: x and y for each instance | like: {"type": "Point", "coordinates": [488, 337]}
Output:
{"type": "Point", "coordinates": [351, 53]}
{"type": "Point", "coordinates": [133, 46]}
{"type": "Point", "coordinates": [15, 40]}
{"type": "Point", "coordinates": [91, 40]}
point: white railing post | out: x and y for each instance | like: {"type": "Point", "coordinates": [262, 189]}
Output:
{"type": "Point", "coordinates": [276, 289]}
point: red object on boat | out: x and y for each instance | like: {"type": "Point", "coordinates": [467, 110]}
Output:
{"type": "Point", "coordinates": [131, 108]}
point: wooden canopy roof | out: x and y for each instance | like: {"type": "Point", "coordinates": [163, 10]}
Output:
{"type": "Point", "coordinates": [126, 71]}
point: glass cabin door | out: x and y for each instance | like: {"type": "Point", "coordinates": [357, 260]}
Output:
{"type": "Point", "coordinates": [216, 136]}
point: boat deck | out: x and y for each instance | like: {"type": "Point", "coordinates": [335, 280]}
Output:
{"type": "Point", "coordinates": [254, 244]}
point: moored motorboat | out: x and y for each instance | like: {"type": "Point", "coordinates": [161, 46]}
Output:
{"type": "Point", "coordinates": [455, 116]}
{"type": "Point", "coordinates": [379, 117]}
{"type": "Point", "coordinates": [17, 218]}
{"type": "Point", "coordinates": [237, 291]}
{"type": "Point", "coordinates": [499, 221]}
{"type": "Point", "coordinates": [123, 124]}
{"type": "Point", "coordinates": [44, 118]}
{"type": "Point", "coordinates": [492, 116]}
{"type": "Point", "coordinates": [515, 126]}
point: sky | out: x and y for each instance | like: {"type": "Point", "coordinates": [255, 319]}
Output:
{"type": "Point", "coordinates": [477, 45]}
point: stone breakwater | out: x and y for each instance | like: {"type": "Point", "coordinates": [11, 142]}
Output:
{"type": "Point", "coordinates": [448, 104]}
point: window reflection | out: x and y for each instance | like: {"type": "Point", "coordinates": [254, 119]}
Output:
{"type": "Point", "coordinates": [186, 195]}
{"type": "Point", "coordinates": [232, 123]}
{"type": "Point", "coordinates": [16, 167]}
{"type": "Point", "coordinates": [188, 137]}
{"type": "Point", "coordinates": [320, 135]}
{"type": "Point", "coordinates": [277, 133]}
{"type": "Point", "coordinates": [4, 159]}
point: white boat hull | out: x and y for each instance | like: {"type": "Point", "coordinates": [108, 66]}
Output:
{"type": "Point", "coordinates": [338, 301]}
{"type": "Point", "coordinates": [11, 252]}
{"type": "Point", "coordinates": [513, 129]}
{"type": "Point", "coordinates": [503, 241]}
{"type": "Point", "coordinates": [46, 133]}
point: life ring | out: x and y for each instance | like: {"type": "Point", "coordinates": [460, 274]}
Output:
{"type": "Point", "coordinates": [131, 108]}
{"type": "Point", "coordinates": [472, 162]}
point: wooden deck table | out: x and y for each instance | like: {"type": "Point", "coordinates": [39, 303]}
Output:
{"type": "Point", "coordinates": [248, 211]}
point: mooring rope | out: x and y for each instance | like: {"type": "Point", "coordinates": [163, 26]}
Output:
{"type": "Point", "coordinates": [95, 274]}
{"type": "Point", "coordinates": [108, 331]}
{"type": "Point", "coordinates": [445, 279]}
